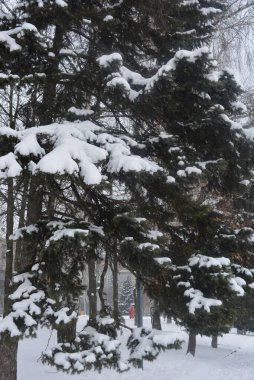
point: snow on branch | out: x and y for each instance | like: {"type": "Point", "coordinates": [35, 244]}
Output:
{"type": "Point", "coordinates": [7, 40]}
{"type": "Point", "coordinates": [26, 309]}
{"type": "Point", "coordinates": [121, 77]}
{"type": "Point", "coordinates": [198, 301]}
{"type": "Point", "coordinates": [163, 260]}
{"type": "Point", "coordinates": [147, 344]}
{"type": "Point", "coordinates": [170, 66]}
{"type": "Point", "coordinates": [107, 60]}
{"type": "Point", "coordinates": [90, 350]}
{"type": "Point", "coordinates": [71, 148]}
{"type": "Point", "coordinates": [10, 42]}
{"type": "Point", "coordinates": [80, 112]}
{"type": "Point", "coordinates": [66, 232]}
{"type": "Point", "coordinates": [236, 284]}
{"type": "Point", "coordinates": [43, 3]}
{"type": "Point", "coordinates": [9, 167]}
{"type": "Point", "coordinates": [19, 233]}
{"type": "Point", "coordinates": [208, 262]}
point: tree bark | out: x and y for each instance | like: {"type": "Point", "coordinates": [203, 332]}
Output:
{"type": "Point", "coordinates": [18, 250]}
{"type": "Point", "coordinates": [66, 332]}
{"type": "Point", "coordinates": [214, 341]}
{"type": "Point", "coordinates": [34, 213]}
{"type": "Point", "coordinates": [47, 112]}
{"type": "Point", "coordinates": [102, 283]}
{"type": "Point", "coordinates": [115, 290]}
{"type": "Point", "coordinates": [9, 258]}
{"type": "Point", "coordinates": [92, 292]}
{"type": "Point", "coordinates": [8, 354]}
{"type": "Point", "coordinates": [8, 345]}
{"type": "Point", "coordinates": [169, 319]}
{"type": "Point", "coordinates": [192, 343]}
{"type": "Point", "coordinates": [136, 304]}
{"type": "Point", "coordinates": [156, 321]}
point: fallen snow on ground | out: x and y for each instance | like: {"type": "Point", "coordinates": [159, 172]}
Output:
{"type": "Point", "coordinates": [233, 360]}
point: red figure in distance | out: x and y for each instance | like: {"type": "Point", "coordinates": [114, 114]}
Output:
{"type": "Point", "coordinates": [132, 311]}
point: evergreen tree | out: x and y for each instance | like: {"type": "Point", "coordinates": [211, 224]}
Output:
{"type": "Point", "coordinates": [181, 107]}
{"type": "Point", "coordinates": [123, 101]}
{"type": "Point", "coordinates": [53, 52]}
{"type": "Point", "coordinates": [126, 296]}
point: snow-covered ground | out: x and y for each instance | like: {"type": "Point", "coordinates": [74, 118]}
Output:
{"type": "Point", "coordinates": [233, 360]}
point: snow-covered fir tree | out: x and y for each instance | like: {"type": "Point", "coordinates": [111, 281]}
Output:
{"type": "Point", "coordinates": [181, 106]}
{"type": "Point", "coordinates": [73, 166]}
{"type": "Point", "coordinates": [126, 296]}
{"type": "Point", "coordinates": [128, 140]}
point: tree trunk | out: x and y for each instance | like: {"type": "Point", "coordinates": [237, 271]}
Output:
{"type": "Point", "coordinates": [139, 308]}
{"type": "Point", "coordinates": [66, 332]}
{"type": "Point", "coordinates": [8, 346]}
{"type": "Point", "coordinates": [115, 290]}
{"type": "Point", "coordinates": [102, 283]}
{"type": "Point", "coordinates": [192, 343]}
{"type": "Point", "coordinates": [155, 311]}
{"type": "Point", "coordinates": [169, 319]}
{"type": "Point", "coordinates": [18, 250]}
{"type": "Point", "coordinates": [9, 258]}
{"type": "Point", "coordinates": [8, 354]}
{"type": "Point", "coordinates": [214, 341]}
{"type": "Point", "coordinates": [48, 112]}
{"type": "Point", "coordinates": [92, 292]}
{"type": "Point", "coordinates": [136, 304]}
{"type": "Point", "coordinates": [241, 332]}
{"type": "Point", "coordinates": [28, 253]}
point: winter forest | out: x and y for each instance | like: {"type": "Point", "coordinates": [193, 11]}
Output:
{"type": "Point", "coordinates": [126, 189]}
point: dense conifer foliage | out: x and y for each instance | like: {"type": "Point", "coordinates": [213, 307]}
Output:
{"type": "Point", "coordinates": [125, 137]}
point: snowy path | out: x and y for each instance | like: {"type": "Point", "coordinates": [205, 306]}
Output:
{"type": "Point", "coordinates": [233, 360]}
